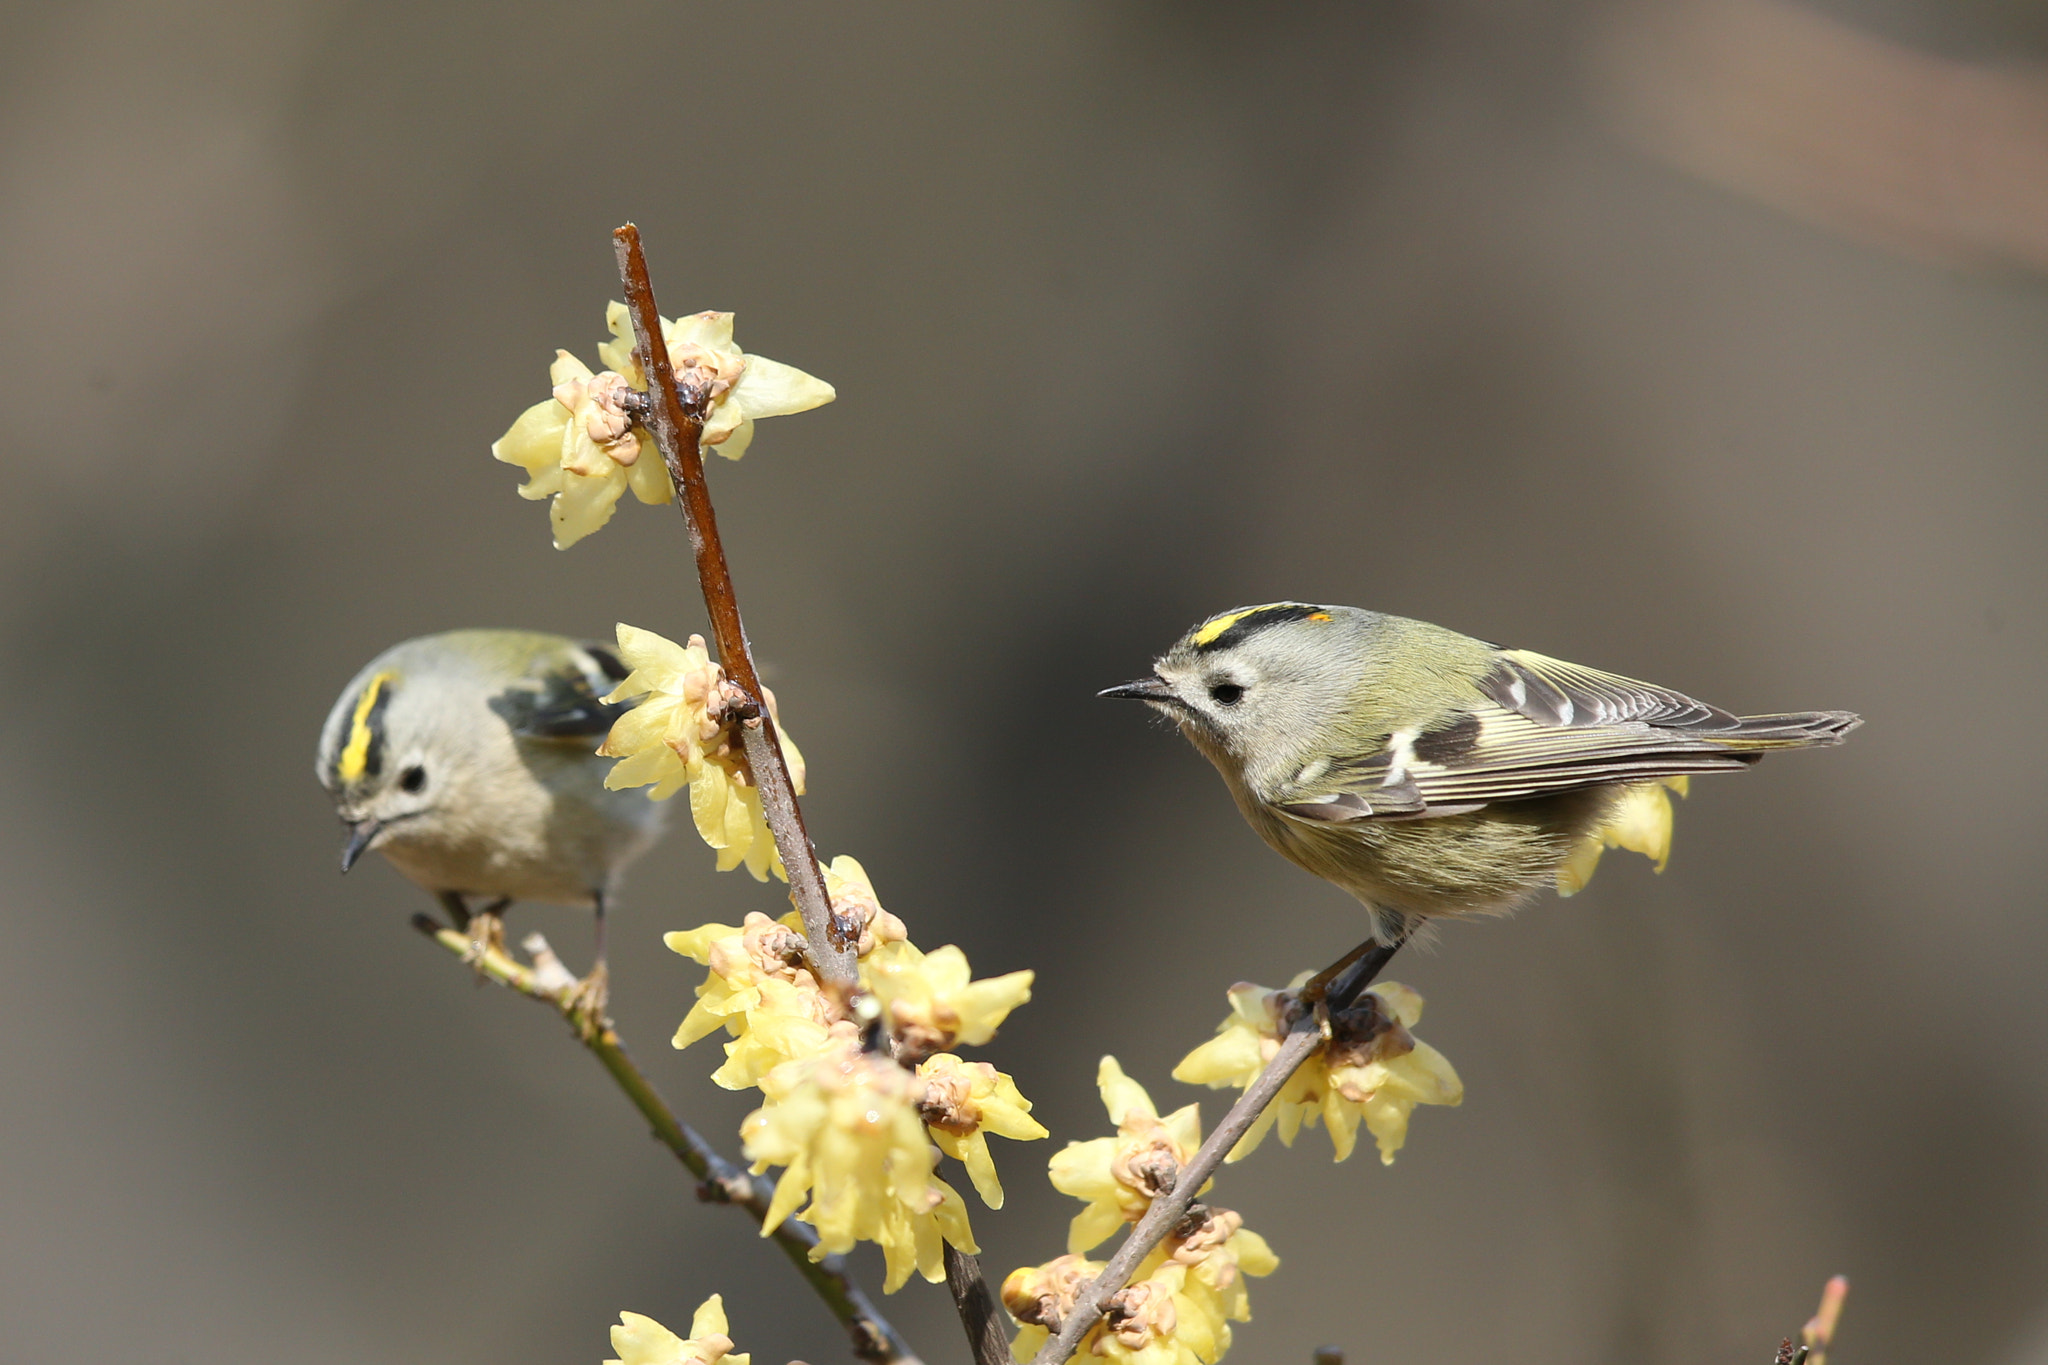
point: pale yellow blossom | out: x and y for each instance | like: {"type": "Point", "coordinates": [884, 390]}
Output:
{"type": "Point", "coordinates": [760, 990]}
{"type": "Point", "coordinates": [1166, 1315]}
{"type": "Point", "coordinates": [845, 1127]}
{"type": "Point", "coordinates": [963, 1102]}
{"type": "Point", "coordinates": [744, 388]}
{"type": "Point", "coordinates": [640, 1340]}
{"type": "Point", "coordinates": [1219, 1251]}
{"type": "Point", "coordinates": [581, 449]}
{"type": "Point", "coordinates": [1153, 1320]}
{"type": "Point", "coordinates": [854, 903]}
{"type": "Point", "coordinates": [1373, 1070]}
{"type": "Point", "coordinates": [1118, 1177]}
{"type": "Point", "coordinates": [684, 732]}
{"type": "Point", "coordinates": [1640, 822]}
{"type": "Point", "coordinates": [1040, 1297]}
{"type": "Point", "coordinates": [930, 1002]}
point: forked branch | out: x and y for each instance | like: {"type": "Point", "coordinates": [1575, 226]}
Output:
{"type": "Point", "coordinates": [719, 1181]}
{"type": "Point", "coordinates": [1168, 1209]}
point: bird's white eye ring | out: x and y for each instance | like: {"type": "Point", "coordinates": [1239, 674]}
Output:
{"type": "Point", "coordinates": [1225, 693]}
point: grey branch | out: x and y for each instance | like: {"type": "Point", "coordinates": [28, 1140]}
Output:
{"type": "Point", "coordinates": [1166, 1211]}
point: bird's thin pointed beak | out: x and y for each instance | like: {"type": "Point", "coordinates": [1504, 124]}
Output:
{"type": "Point", "coordinates": [1144, 689]}
{"type": "Point", "coordinates": [360, 833]}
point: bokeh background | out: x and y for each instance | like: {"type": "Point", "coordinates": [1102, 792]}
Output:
{"type": "Point", "coordinates": [1703, 342]}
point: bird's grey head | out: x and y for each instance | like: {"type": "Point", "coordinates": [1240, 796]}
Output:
{"type": "Point", "coordinates": [1258, 684]}
{"type": "Point", "coordinates": [380, 761]}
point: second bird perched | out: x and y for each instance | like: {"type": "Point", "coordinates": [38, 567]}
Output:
{"type": "Point", "coordinates": [468, 759]}
{"type": "Point", "coordinates": [1429, 773]}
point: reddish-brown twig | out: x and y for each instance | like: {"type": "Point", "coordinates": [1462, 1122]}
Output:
{"type": "Point", "coordinates": [676, 417]}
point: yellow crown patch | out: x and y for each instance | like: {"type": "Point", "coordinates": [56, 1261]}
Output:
{"type": "Point", "coordinates": [362, 733]}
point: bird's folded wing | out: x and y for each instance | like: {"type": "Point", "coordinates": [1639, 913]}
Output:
{"type": "Point", "coordinates": [562, 699]}
{"type": "Point", "coordinates": [1547, 726]}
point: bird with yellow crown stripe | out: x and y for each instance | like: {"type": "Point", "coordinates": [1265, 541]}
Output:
{"type": "Point", "coordinates": [468, 759]}
{"type": "Point", "coordinates": [1428, 773]}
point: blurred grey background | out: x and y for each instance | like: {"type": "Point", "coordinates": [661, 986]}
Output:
{"type": "Point", "coordinates": [1702, 342]}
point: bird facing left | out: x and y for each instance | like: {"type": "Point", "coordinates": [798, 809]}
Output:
{"type": "Point", "coordinates": [468, 759]}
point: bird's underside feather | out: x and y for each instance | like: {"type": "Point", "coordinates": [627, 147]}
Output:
{"type": "Point", "coordinates": [1546, 726]}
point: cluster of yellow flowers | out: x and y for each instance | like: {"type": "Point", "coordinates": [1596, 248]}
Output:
{"type": "Point", "coordinates": [640, 1340]}
{"type": "Point", "coordinates": [685, 732]}
{"type": "Point", "coordinates": [858, 1117]}
{"type": "Point", "coordinates": [1373, 1069]}
{"type": "Point", "coordinates": [582, 448]}
{"type": "Point", "coordinates": [1179, 1305]}
{"type": "Point", "coordinates": [863, 1092]}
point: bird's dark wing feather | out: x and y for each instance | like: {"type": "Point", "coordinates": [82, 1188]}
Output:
{"type": "Point", "coordinates": [562, 701]}
{"type": "Point", "coordinates": [1553, 692]}
{"type": "Point", "coordinates": [1547, 726]}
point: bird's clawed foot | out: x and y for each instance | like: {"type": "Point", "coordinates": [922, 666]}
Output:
{"type": "Point", "coordinates": [1337, 985]}
{"type": "Point", "coordinates": [486, 930]}
{"type": "Point", "coordinates": [586, 1004]}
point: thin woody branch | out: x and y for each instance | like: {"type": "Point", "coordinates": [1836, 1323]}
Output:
{"type": "Point", "coordinates": [987, 1326]}
{"type": "Point", "coordinates": [676, 417]}
{"type": "Point", "coordinates": [873, 1338]}
{"type": "Point", "coordinates": [1168, 1209]}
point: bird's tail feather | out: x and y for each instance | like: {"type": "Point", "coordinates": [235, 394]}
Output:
{"type": "Point", "coordinates": [1793, 730]}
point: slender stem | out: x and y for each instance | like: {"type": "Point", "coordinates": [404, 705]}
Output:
{"type": "Point", "coordinates": [677, 420]}
{"type": "Point", "coordinates": [873, 1338]}
{"type": "Point", "coordinates": [1167, 1210]}
{"type": "Point", "coordinates": [1819, 1332]}
{"type": "Point", "coordinates": [988, 1335]}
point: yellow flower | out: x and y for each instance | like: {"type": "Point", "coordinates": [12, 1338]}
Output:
{"type": "Point", "coordinates": [930, 1003]}
{"type": "Point", "coordinates": [1640, 822]}
{"type": "Point", "coordinates": [1119, 1176]}
{"type": "Point", "coordinates": [1039, 1297]}
{"type": "Point", "coordinates": [1373, 1069]}
{"type": "Point", "coordinates": [962, 1103]}
{"type": "Point", "coordinates": [743, 388]}
{"type": "Point", "coordinates": [854, 902]}
{"type": "Point", "coordinates": [1165, 1316]}
{"type": "Point", "coordinates": [1154, 1320]}
{"type": "Point", "coordinates": [1219, 1251]}
{"type": "Point", "coordinates": [581, 449]}
{"type": "Point", "coordinates": [641, 1340]}
{"type": "Point", "coordinates": [760, 990]}
{"type": "Point", "coordinates": [684, 732]}
{"type": "Point", "coordinates": [846, 1127]}
{"type": "Point", "coordinates": [1383, 1077]}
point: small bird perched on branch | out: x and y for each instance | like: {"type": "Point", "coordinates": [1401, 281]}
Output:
{"type": "Point", "coordinates": [468, 759]}
{"type": "Point", "coordinates": [1428, 773]}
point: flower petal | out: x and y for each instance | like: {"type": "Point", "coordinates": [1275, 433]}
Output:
{"type": "Point", "coordinates": [1092, 1226]}
{"type": "Point", "coordinates": [1121, 1095]}
{"type": "Point", "coordinates": [770, 388]}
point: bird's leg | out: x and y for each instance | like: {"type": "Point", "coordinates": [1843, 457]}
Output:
{"type": "Point", "coordinates": [593, 992]}
{"type": "Point", "coordinates": [457, 908]}
{"type": "Point", "coordinates": [1338, 984]}
{"type": "Point", "coordinates": [486, 930]}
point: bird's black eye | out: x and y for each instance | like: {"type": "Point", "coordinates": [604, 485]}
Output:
{"type": "Point", "coordinates": [412, 779]}
{"type": "Point", "coordinates": [1225, 694]}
